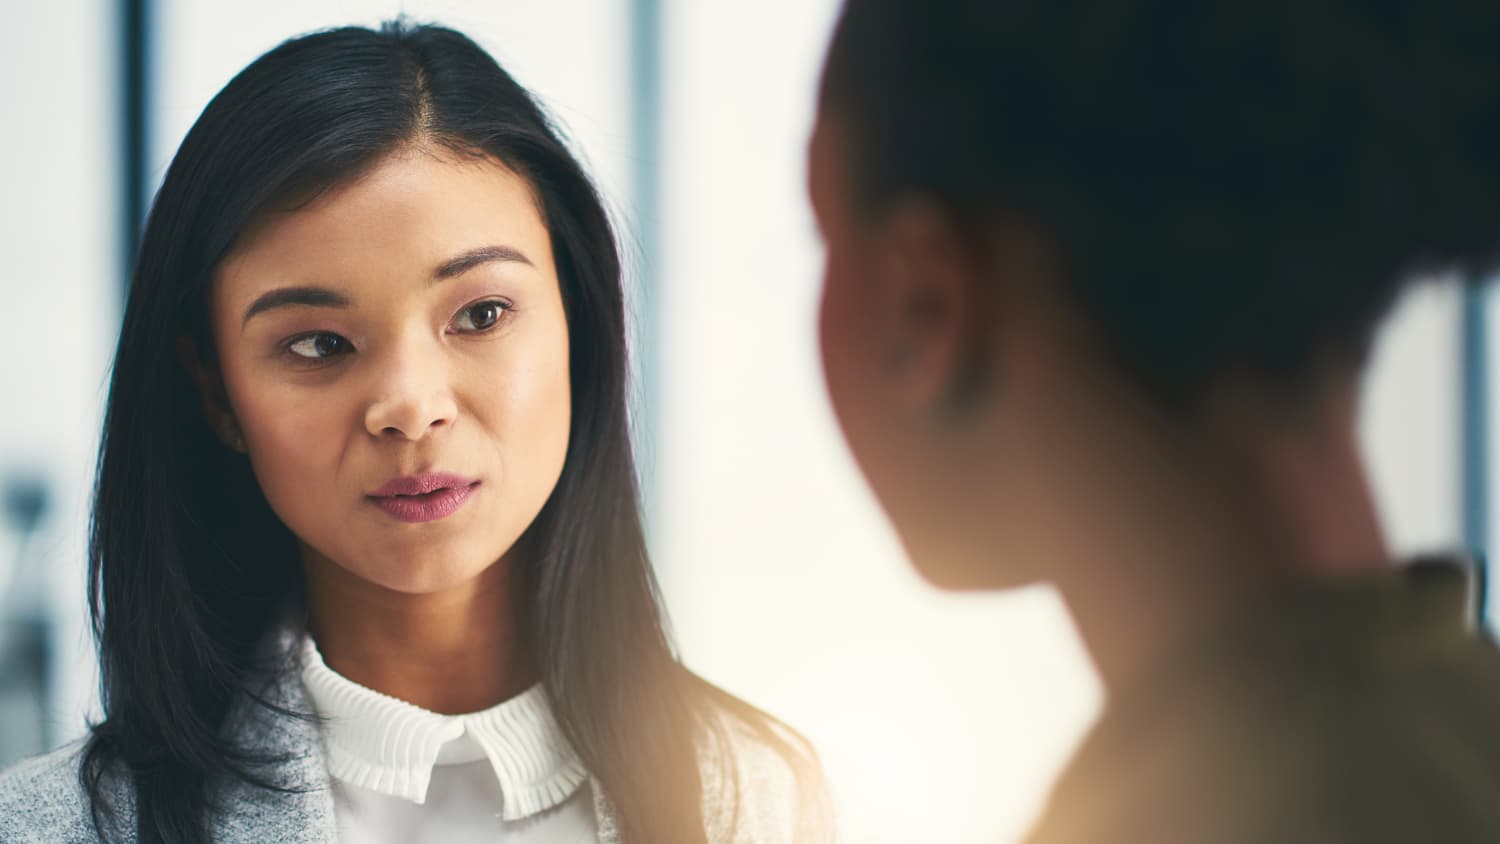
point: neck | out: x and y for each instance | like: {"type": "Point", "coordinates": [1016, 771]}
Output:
{"type": "Point", "coordinates": [1173, 527]}
{"type": "Point", "coordinates": [452, 652]}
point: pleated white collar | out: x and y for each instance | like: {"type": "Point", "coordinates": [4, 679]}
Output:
{"type": "Point", "coordinates": [387, 745]}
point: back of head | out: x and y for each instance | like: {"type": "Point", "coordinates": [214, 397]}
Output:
{"type": "Point", "coordinates": [1236, 185]}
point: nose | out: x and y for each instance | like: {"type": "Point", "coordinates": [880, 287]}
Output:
{"type": "Point", "coordinates": [412, 394]}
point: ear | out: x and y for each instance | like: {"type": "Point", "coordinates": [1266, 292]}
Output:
{"type": "Point", "coordinates": [934, 307]}
{"type": "Point", "coordinates": [212, 398]}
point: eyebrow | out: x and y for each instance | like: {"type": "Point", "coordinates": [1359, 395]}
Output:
{"type": "Point", "coordinates": [283, 297]}
{"type": "Point", "coordinates": [321, 297]}
{"type": "Point", "coordinates": [474, 257]}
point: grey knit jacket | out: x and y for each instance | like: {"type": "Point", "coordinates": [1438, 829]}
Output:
{"type": "Point", "coordinates": [41, 799]}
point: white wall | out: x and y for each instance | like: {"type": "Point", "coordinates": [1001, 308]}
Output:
{"type": "Point", "coordinates": [1412, 421]}
{"type": "Point", "coordinates": [59, 284]}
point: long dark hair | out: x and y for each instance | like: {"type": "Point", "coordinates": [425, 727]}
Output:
{"type": "Point", "coordinates": [189, 568]}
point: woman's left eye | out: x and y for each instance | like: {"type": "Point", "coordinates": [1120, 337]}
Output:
{"type": "Point", "coordinates": [481, 316]}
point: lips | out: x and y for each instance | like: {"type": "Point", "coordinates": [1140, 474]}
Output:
{"type": "Point", "coordinates": [424, 498]}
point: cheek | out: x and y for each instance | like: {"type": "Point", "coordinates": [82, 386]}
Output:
{"type": "Point", "coordinates": [295, 441]}
{"type": "Point", "coordinates": [859, 378]}
{"type": "Point", "coordinates": [522, 400]}
{"type": "Point", "coordinates": [843, 339]}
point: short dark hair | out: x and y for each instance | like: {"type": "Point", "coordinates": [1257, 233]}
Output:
{"type": "Point", "coordinates": [1241, 184]}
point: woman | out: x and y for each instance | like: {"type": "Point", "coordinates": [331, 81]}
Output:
{"type": "Point", "coordinates": [367, 557]}
{"type": "Point", "coordinates": [1101, 281]}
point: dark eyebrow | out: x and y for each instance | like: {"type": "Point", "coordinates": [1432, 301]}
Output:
{"type": "Point", "coordinates": [283, 297]}
{"type": "Point", "coordinates": [474, 257]}
{"type": "Point", "coordinates": [319, 297]}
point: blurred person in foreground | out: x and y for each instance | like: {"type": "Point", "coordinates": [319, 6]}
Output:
{"type": "Point", "coordinates": [1101, 281]}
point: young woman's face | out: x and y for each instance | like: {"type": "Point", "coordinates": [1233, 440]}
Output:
{"type": "Point", "coordinates": [395, 356]}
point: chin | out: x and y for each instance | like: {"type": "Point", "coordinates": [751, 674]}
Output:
{"type": "Point", "coordinates": [426, 573]}
{"type": "Point", "coordinates": [950, 543]}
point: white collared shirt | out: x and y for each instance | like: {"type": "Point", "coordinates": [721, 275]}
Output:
{"type": "Point", "coordinates": [401, 773]}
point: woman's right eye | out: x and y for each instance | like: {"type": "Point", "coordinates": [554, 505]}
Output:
{"type": "Point", "coordinates": [318, 346]}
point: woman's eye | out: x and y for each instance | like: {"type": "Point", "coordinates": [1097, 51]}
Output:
{"type": "Point", "coordinates": [319, 346]}
{"type": "Point", "coordinates": [481, 316]}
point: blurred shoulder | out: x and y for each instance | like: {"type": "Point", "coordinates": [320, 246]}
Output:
{"type": "Point", "coordinates": [761, 780]}
{"type": "Point", "coordinates": [42, 799]}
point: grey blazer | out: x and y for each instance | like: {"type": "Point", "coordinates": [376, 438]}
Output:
{"type": "Point", "coordinates": [41, 799]}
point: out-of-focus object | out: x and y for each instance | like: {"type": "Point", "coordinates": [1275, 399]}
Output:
{"type": "Point", "coordinates": [24, 632]}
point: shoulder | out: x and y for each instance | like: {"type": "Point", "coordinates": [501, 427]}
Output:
{"type": "Point", "coordinates": [761, 781]}
{"type": "Point", "coordinates": [42, 799]}
{"type": "Point", "coordinates": [1332, 757]}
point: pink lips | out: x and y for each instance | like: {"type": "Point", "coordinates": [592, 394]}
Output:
{"type": "Point", "coordinates": [424, 498]}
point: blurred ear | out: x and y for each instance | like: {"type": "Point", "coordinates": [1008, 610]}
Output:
{"type": "Point", "coordinates": [213, 401]}
{"type": "Point", "coordinates": [933, 310]}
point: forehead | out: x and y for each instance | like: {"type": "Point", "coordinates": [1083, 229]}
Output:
{"type": "Point", "coordinates": [415, 206]}
{"type": "Point", "coordinates": [818, 169]}
{"type": "Point", "coordinates": [828, 171]}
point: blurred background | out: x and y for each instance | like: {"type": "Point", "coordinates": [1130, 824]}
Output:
{"type": "Point", "coordinates": [939, 717]}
